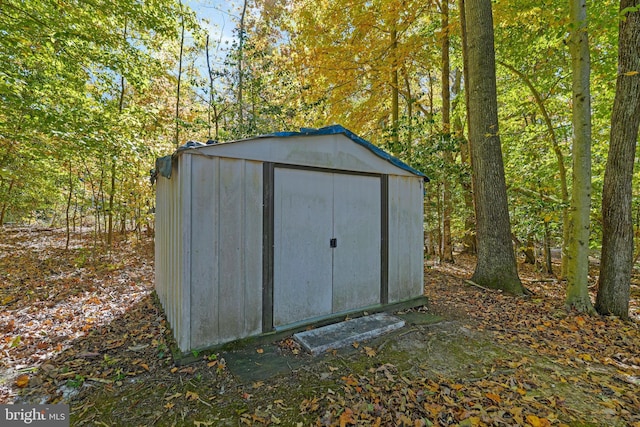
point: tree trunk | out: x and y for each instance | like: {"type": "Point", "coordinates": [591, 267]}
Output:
{"type": "Point", "coordinates": [496, 266]}
{"type": "Point", "coordinates": [409, 116]}
{"type": "Point", "coordinates": [210, 105]}
{"type": "Point", "coordinates": [177, 138]}
{"type": "Point", "coordinates": [240, 71]}
{"type": "Point", "coordinates": [69, 198]}
{"type": "Point", "coordinates": [3, 211]}
{"type": "Point", "coordinates": [617, 225]}
{"type": "Point", "coordinates": [578, 255]}
{"type": "Point", "coordinates": [395, 108]}
{"type": "Point", "coordinates": [547, 249]}
{"type": "Point", "coordinates": [447, 246]}
{"type": "Point", "coordinates": [470, 242]}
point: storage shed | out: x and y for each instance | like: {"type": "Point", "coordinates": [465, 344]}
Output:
{"type": "Point", "coordinates": [283, 230]}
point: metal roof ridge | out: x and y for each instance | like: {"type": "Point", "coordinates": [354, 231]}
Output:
{"type": "Point", "coordinates": [327, 130]}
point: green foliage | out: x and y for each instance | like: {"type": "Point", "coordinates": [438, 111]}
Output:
{"type": "Point", "coordinates": [88, 89]}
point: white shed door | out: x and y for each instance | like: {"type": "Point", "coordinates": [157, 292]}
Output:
{"type": "Point", "coordinates": [356, 228]}
{"type": "Point", "coordinates": [311, 278]}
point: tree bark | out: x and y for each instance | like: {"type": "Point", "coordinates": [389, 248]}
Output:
{"type": "Point", "coordinates": [240, 70]}
{"type": "Point", "coordinates": [578, 255]}
{"type": "Point", "coordinates": [68, 208]}
{"type": "Point", "coordinates": [470, 242]}
{"type": "Point", "coordinates": [395, 108]}
{"type": "Point", "coordinates": [177, 138]}
{"type": "Point", "coordinates": [496, 266]}
{"type": "Point", "coordinates": [447, 246]}
{"type": "Point", "coordinates": [617, 225]}
{"type": "Point", "coordinates": [6, 202]}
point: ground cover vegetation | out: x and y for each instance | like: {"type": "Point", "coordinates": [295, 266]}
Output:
{"type": "Point", "coordinates": [84, 328]}
{"type": "Point", "coordinates": [530, 147]}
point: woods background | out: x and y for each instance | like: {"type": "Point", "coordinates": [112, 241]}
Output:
{"type": "Point", "coordinates": [92, 92]}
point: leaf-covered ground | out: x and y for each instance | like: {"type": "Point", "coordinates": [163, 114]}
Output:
{"type": "Point", "coordinates": [82, 326]}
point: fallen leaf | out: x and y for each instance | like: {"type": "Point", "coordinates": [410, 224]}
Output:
{"type": "Point", "coordinates": [138, 347]}
{"type": "Point", "coordinates": [346, 417]}
{"type": "Point", "coordinates": [191, 395]}
{"type": "Point", "coordinates": [260, 351]}
{"type": "Point", "coordinates": [535, 421]}
{"type": "Point", "coordinates": [370, 351]}
{"type": "Point", "coordinates": [493, 397]}
{"type": "Point", "coordinates": [22, 381]}
{"type": "Point", "coordinates": [16, 341]}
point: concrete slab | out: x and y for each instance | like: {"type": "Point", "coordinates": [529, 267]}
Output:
{"type": "Point", "coordinates": [248, 365]}
{"type": "Point", "coordinates": [317, 341]}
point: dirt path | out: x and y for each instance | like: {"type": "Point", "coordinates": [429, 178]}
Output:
{"type": "Point", "coordinates": [83, 327]}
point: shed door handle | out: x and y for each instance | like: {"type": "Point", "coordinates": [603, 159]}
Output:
{"type": "Point", "coordinates": [333, 243]}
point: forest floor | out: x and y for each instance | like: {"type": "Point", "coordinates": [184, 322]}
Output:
{"type": "Point", "coordinates": [82, 327]}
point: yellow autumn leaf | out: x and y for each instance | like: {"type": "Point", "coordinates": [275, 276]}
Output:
{"type": "Point", "coordinates": [191, 395]}
{"type": "Point", "coordinates": [260, 351]}
{"type": "Point", "coordinates": [493, 397]}
{"type": "Point", "coordinates": [370, 351]}
{"type": "Point", "coordinates": [535, 421]}
{"type": "Point", "coordinates": [631, 73]}
{"type": "Point", "coordinates": [355, 344]}
{"type": "Point", "coordinates": [22, 381]}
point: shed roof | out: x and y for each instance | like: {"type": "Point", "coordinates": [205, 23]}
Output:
{"type": "Point", "coordinates": [328, 130]}
{"type": "Point", "coordinates": [338, 129]}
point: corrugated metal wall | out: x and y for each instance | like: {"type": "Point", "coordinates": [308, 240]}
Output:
{"type": "Point", "coordinates": [169, 251]}
{"type": "Point", "coordinates": [225, 269]}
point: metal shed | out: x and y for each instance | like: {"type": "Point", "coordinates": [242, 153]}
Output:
{"type": "Point", "coordinates": [283, 230]}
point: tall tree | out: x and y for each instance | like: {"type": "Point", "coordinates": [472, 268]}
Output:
{"type": "Point", "coordinates": [447, 204]}
{"type": "Point", "coordinates": [177, 138]}
{"type": "Point", "coordinates": [241, 36]}
{"type": "Point", "coordinates": [578, 255]}
{"type": "Point", "coordinates": [496, 266]}
{"type": "Point", "coordinates": [617, 228]}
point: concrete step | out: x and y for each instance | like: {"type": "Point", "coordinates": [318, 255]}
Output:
{"type": "Point", "coordinates": [342, 334]}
